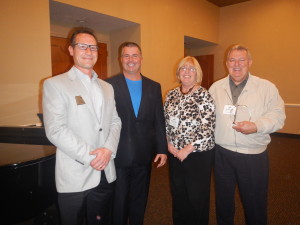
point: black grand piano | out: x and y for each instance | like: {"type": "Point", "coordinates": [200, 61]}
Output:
{"type": "Point", "coordinates": [27, 161]}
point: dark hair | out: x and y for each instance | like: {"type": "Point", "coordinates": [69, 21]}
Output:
{"type": "Point", "coordinates": [80, 30]}
{"type": "Point", "coordinates": [129, 44]}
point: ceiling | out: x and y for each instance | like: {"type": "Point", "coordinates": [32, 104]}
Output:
{"type": "Point", "coordinates": [71, 16]}
{"type": "Point", "coordinates": [191, 43]}
{"type": "Point", "coordinates": [222, 3]}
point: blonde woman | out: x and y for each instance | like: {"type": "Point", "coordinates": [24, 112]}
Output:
{"type": "Point", "coordinates": [190, 122]}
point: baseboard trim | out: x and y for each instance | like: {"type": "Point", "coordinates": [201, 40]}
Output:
{"type": "Point", "coordinates": [286, 135]}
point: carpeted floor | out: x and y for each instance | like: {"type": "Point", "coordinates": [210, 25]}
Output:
{"type": "Point", "coordinates": [284, 190]}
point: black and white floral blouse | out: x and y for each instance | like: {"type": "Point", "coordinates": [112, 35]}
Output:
{"type": "Point", "coordinates": [190, 119]}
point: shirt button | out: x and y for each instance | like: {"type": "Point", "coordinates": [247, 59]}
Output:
{"type": "Point", "coordinates": [100, 129]}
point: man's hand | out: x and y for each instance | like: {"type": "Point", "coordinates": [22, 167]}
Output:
{"type": "Point", "coordinates": [163, 159]}
{"type": "Point", "coordinates": [102, 158]}
{"type": "Point", "coordinates": [245, 127]}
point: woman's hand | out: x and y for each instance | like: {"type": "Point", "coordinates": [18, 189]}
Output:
{"type": "Point", "coordinates": [183, 153]}
{"type": "Point", "coordinates": [172, 149]}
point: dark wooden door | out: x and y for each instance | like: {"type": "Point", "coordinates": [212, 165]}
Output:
{"type": "Point", "coordinates": [62, 61]}
{"type": "Point", "coordinates": [207, 65]}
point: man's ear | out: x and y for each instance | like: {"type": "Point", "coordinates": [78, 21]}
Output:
{"type": "Point", "coordinates": [71, 50]}
{"type": "Point", "coordinates": [250, 62]}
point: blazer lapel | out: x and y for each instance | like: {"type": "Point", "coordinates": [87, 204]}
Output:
{"type": "Point", "coordinates": [104, 101]}
{"type": "Point", "coordinates": [125, 93]}
{"type": "Point", "coordinates": [143, 98]}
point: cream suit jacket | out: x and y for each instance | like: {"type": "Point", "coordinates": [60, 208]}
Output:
{"type": "Point", "coordinates": [72, 126]}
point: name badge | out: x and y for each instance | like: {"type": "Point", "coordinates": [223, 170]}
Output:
{"type": "Point", "coordinates": [79, 100]}
{"type": "Point", "coordinates": [229, 109]}
{"type": "Point", "coordinates": [174, 121]}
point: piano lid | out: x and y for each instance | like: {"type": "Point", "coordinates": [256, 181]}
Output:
{"type": "Point", "coordinates": [22, 154]}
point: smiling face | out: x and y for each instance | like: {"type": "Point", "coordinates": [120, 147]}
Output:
{"type": "Point", "coordinates": [131, 60]}
{"type": "Point", "coordinates": [238, 64]}
{"type": "Point", "coordinates": [187, 75]}
{"type": "Point", "coordinates": [84, 60]}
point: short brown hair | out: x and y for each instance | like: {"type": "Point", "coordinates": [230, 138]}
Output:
{"type": "Point", "coordinates": [80, 30]}
{"type": "Point", "coordinates": [129, 44]}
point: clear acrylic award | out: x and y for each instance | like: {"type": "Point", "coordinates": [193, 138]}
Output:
{"type": "Point", "coordinates": [242, 113]}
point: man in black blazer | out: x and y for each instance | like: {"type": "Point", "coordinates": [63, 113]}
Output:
{"type": "Point", "coordinates": [143, 136]}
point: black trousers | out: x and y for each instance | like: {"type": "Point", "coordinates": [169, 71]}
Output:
{"type": "Point", "coordinates": [90, 206]}
{"type": "Point", "coordinates": [131, 194]}
{"type": "Point", "coordinates": [250, 172]}
{"type": "Point", "coordinates": [190, 187]}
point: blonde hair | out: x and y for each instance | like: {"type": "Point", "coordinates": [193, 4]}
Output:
{"type": "Point", "coordinates": [195, 63]}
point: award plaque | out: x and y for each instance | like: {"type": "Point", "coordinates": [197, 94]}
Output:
{"type": "Point", "coordinates": [242, 113]}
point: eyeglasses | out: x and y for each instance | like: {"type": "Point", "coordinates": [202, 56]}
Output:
{"type": "Point", "coordinates": [81, 46]}
{"type": "Point", "coordinates": [190, 69]}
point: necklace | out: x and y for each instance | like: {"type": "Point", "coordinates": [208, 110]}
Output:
{"type": "Point", "coordinates": [185, 93]}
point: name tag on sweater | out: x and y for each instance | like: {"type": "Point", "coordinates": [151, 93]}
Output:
{"type": "Point", "coordinates": [229, 109]}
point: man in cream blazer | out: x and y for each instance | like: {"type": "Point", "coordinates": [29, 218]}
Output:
{"type": "Point", "coordinates": [82, 122]}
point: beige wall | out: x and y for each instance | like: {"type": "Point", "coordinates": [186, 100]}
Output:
{"type": "Point", "coordinates": [25, 58]}
{"type": "Point", "coordinates": [271, 30]}
{"type": "Point", "coordinates": [163, 24]}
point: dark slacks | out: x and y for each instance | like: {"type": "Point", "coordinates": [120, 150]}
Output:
{"type": "Point", "coordinates": [90, 205]}
{"type": "Point", "coordinates": [250, 172]}
{"type": "Point", "coordinates": [131, 194]}
{"type": "Point", "coordinates": [190, 187]}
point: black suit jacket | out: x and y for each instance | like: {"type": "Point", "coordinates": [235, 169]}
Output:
{"type": "Point", "coordinates": [145, 135]}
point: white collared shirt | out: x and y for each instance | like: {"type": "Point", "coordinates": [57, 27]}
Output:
{"type": "Point", "coordinates": [93, 89]}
